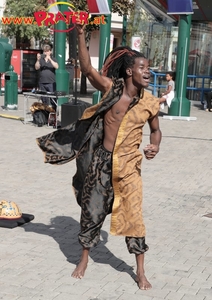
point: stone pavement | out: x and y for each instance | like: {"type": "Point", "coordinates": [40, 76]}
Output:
{"type": "Point", "coordinates": [37, 259]}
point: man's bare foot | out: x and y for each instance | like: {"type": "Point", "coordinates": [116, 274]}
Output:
{"type": "Point", "coordinates": [141, 280]}
{"type": "Point", "coordinates": [143, 283]}
{"type": "Point", "coordinates": [80, 270]}
{"type": "Point", "coordinates": [82, 266]}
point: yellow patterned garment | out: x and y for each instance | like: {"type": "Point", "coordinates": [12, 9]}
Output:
{"type": "Point", "coordinates": [80, 139]}
{"type": "Point", "coordinates": [127, 217]}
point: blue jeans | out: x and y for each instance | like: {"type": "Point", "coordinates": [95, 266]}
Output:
{"type": "Point", "coordinates": [48, 87]}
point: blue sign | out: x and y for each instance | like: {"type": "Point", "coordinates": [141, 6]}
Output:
{"type": "Point", "coordinates": [180, 7]}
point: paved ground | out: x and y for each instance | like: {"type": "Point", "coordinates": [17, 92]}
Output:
{"type": "Point", "coordinates": [37, 259]}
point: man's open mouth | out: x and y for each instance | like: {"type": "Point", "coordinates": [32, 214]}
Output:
{"type": "Point", "coordinates": [146, 78]}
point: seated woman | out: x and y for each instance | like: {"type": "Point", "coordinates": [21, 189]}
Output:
{"type": "Point", "coordinates": [168, 95]}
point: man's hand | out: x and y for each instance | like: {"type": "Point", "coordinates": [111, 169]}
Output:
{"type": "Point", "coordinates": [78, 25]}
{"type": "Point", "coordinates": [150, 151]}
{"type": "Point", "coordinates": [48, 56]}
{"type": "Point", "coordinates": [37, 64]}
{"type": "Point", "coordinates": [38, 56]}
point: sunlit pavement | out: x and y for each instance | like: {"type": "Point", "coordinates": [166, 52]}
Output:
{"type": "Point", "coordinates": [37, 259]}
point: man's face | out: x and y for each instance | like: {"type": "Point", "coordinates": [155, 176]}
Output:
{"type": "Point", "coordinates": [47, 52]}
{"type": "Point", "coordinates": [140, 72]}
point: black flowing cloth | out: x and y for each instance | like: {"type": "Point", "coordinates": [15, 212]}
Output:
{"type": "Point", "coordinates": [80, 139]}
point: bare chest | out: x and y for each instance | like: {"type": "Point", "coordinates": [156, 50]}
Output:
{"type": "Point", "coordinates": [119, 109]}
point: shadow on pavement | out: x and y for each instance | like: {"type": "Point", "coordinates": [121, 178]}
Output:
{"type": "Point", "coordinates": [200, 106]}
{"type": "Point", "coordinates": [64, 230]}
{"type": "Point", "coordinates": [161, 114]}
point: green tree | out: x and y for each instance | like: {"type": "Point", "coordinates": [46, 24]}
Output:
{"type": "Point", "coordinates": [24, 32]}
{"type": "Point", "coordinates": [155, 34]}
{"type": "Point", "coordinates": [122, 7]}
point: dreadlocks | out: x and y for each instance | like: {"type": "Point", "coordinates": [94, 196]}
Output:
{"type": "Point", "coordinates": [118, 60]}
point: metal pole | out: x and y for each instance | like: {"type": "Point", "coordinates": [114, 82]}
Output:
{"type": "Point", "coordinates": [0, 85]}
{"type": "Point", "coordinates": [62, 75]}
{"type": "Point", "coordinates": [104, 46]}
{"type": "Point", "coordinates": [75, 83]}
{"type": "Point", "coordinates": [124, 31]}
{"type": "Point", "coordinates": [180, 104]}
{"type": "Point", "coordinates": [73, 54]}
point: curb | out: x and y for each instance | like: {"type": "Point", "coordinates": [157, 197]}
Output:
{"type": "Point", "coordinates": [12, 117]}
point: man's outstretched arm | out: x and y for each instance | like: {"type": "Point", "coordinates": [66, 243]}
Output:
{"type": "Point", "coordinates": [100, 82]}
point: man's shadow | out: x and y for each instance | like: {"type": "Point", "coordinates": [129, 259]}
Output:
{"type": "Point", "coordinates": [64, 230]}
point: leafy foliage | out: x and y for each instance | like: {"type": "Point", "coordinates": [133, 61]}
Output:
{"type": "Point", "coordinates": [24, 8]}
{"type": "Point", "coordinates": [122, 7]}
{"type": "Point", "coordinates": [24, 32]}
{"type": "Point", "coordinates": [118, 6]}
{"type": "Point", "coordinates": [155, 35]}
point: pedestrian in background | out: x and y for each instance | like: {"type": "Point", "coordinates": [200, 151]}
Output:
{"type": "Point", "coordinates": [168, 95]}
{"type": "Point", "coordinates": [209, 98]}
{"type": "Point", "coordinates": [47, 65]}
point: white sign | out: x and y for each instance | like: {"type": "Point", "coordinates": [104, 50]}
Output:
{"type": "Point", "coordinates": [136, 43]}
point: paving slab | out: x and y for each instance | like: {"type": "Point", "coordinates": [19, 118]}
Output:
{"type": "Point", "coordinates": [37, 259]}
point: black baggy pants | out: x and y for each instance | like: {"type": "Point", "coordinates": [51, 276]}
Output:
{"type": "Point", "coordinates": [97, 202]}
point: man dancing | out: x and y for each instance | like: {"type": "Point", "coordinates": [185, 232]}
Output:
{"type": "Point", "coordinates": [105, 143]}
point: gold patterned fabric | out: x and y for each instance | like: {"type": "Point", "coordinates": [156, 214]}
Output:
{"type": "Point", "coordinates": [127, 184]}
{"type": "Point", "coordinates": [80, 140]}
{"type": "Point", "coordinates": [40, 106]}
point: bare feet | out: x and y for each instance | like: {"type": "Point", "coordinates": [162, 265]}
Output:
{"type": "Point", "coordinates": [80, 270]}
{"type": "Point", "coordinates": [81, 267]}
{"type": "Point", "coordinates": [141, 280]}
{"type": "Point", "coordinates": [143, 283]}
